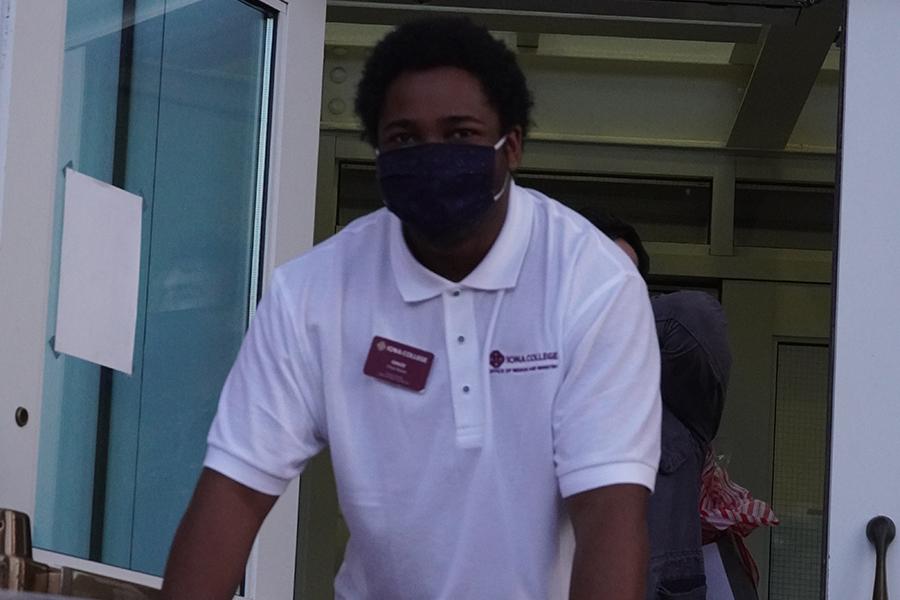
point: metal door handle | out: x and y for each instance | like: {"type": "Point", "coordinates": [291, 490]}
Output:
{"type": "Point", "coordinates": [19, 572]}
{"type": "Point", "coordinates": [881, 532]}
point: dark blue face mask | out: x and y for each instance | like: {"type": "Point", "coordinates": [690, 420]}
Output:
{"type": "Point", "coordinates": [439, 190]}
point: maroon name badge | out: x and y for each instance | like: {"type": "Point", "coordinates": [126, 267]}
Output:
{"type": "Point", "coordinates": [398, 364]}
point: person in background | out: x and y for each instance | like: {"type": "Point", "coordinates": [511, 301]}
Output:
{"type": "Point", "coordinates": [695, 363]}
{"type": "Point", "coordinates": [482, 397]}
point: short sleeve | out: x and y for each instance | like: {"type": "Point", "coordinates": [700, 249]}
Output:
{"type": "Point", "coordinates": [606, 417]}
{"type": "Point", "coordinates": [267, 425]}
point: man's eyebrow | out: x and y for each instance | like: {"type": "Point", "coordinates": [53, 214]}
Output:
{"type": "Point", "coordinates": [403, 123]}
{"type": "Point", "coordinates": [457, 119]}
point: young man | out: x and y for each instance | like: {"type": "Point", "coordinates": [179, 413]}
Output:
{"type": "Point", "coordinates": [696, 362]}
{"type": "Point", "coordinates": [477, 388]}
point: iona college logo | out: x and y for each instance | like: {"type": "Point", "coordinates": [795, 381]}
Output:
{"type": "Point", "coordinates": [381, 345]}
{"type": "Point", "coordinates": [497, 359]}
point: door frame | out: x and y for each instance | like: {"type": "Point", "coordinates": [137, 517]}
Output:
{"type": "Point", "coordinates": [32, 80]}
{"type": "Point", "coordinates": [864, 443]}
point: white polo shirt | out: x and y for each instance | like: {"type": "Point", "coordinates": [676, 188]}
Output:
{"type": "Point", "coordinates": [544, 383]}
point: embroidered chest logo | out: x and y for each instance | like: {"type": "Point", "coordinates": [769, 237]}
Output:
{"type": "Point", "coordinates": [522, 363]}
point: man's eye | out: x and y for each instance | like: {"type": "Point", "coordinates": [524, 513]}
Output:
{"type": "Point", "coordinates": [400, 139]}
{"type": "Point", "coordinates": [461, 134]}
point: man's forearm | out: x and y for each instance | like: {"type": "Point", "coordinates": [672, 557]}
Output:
{"type": "Point", "coordinates": [210, 549]}
{"type": "Point", "coordinates": [611, 545]}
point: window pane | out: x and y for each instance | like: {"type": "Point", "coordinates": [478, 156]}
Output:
{"type": "Point", "coordinates": [783, 216]}
{"type": "Point", "coordinates": [181, 94]}
{"type": "Point", "coordinates": [661, 210]}
{"type": "Point", "coordinates": [798, 494]}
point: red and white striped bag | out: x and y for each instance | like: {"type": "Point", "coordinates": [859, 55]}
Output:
{"type": "Point", "coordinates": [727, 507]}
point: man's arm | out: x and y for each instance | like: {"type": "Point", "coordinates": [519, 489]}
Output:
{"type": "Point", "coordinates": [210, 549]}
{"type": "Point", "coordinates": [611, 545]}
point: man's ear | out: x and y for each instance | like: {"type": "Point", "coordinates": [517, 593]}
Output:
{"type": "Point", "coordinates": [513, 148]}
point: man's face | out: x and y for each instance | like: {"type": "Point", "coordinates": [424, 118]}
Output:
{"type": "Point", "coordinates": [627, 249]}
{"type": "Point", "coordinates": [445, 105]}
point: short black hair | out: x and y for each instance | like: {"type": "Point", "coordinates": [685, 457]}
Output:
{"type": "Point", "coordinates": [444, 42]}
{"type": "Point", "coordinates": [617, 229]}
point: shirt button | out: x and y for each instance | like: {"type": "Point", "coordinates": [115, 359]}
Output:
{"type": "Point", "coordinates": [455, 293]}
{"type": "Point", "coordinates": [461, 339]}
{"type": "Point", "coordinates": [466, 389]}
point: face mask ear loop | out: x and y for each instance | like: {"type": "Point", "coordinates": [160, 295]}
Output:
{"type": "Point", "coordinates": [497, 146]}
{"type": "Point", "coordinates": [499, 194]}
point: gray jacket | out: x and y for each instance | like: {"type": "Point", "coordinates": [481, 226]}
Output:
{"type": "Point", "coordinates": [695, 362]}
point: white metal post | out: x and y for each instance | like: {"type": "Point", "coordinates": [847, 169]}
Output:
{"type": "Point", "coordinates": [35, 66]}
{"type": "Point", "coordinates": [865, 474]}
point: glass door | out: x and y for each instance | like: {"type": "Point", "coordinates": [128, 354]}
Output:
{"type": "Point", "coordinates": [192, 105]}
{"type": "Point", "coordinates": [773, 432]}
{"type": "Point", "coordinates": [170, 103]}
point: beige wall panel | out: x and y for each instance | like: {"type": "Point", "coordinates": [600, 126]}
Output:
{"type": "Point", "coordinates": [816, 129]}
{"type": "Point", "coordinates": [632, 101]}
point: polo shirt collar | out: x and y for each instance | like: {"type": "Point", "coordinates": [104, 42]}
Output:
{"type": "Point", "coordinates": [498, 270]}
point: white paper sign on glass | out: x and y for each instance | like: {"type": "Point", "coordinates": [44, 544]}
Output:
{"type": "Point", "coordinates": [99, 272]}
